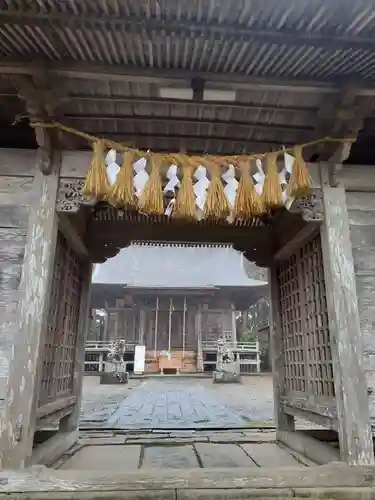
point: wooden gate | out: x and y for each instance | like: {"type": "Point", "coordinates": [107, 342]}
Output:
{"type": "Point", "coordinates": [305, 337]}
{"type": "Point", "coordinates": [56, 387]}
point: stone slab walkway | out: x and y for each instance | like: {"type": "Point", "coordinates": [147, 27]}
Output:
{"type": "Point", "coordinates": [167, 404]}
{"type": "Point", "coordinates": [192, 451]}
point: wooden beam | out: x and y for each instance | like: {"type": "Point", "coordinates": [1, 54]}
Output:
{"type": "Point", "coordinates": [356, 446]}
{"type": "Point", "coordinates": [307, 231]}
{"type": "Point", "coordinates": [17, 434]}
{"type": "Point", "coordinates": [136, 25]}
{"type": "Point", "coordinates": [194, 121]}
{"type": "Point", "coordinates": [318, 452]}
{"type": "Point", "coordinates": [186, 102]}
{"type": "Point", "coordinates": [72, 235]}
{"type": "Point", "coordinates": [340, 116]}
{"type": "Point", "coordinates": [246, 141]}
{"type": "Point", "coordinates": [48, 452]}
{"type": "Point", "coordinates": [122, 73]}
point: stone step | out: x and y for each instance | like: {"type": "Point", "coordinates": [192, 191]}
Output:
{"type": "Point", "coordinates": [333, 481]}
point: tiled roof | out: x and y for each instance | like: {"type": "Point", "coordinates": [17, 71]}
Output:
{"type": "Point", "coordinates": [170, 266]}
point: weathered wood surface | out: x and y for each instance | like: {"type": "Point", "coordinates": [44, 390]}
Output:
{"type": "Point", "coordinates": [18, 162]}
{"type": "Point", "coordinates": [318, 452]}
{"type": "Point", "coordinates": [39, 479]}
{"type": "Point", "coordinates": [361, 210]}
{"type": "Point", "coordinates": [356, 445]}
{"type": "Point", "coordinates": [70, 423]}
{"type": "Point", "coordinates": [15, 197]}
{"type": "Point", "coordinates": [283, 420]}
{"type": "Point", "coordinates": [20, 413]}
{"type": "Point", "coordinates": [51, 450]}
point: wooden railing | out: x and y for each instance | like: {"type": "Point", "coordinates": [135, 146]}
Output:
{"type": "Point", "coordinates": [248, 353]}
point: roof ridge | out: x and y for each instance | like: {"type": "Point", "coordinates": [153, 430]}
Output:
{"type": "Point", "coordinates": [179, 244]}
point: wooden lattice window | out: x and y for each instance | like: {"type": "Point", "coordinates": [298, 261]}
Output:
{"type": "Point", "coordinates": [304, 322]}
{"type": "Point", "coordinates": [63, 324]}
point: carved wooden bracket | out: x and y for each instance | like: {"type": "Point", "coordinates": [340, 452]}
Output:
{"type": "Point", "coordinates": [70, 198]}
{"type": "Point", "coordinates": [311, 207]}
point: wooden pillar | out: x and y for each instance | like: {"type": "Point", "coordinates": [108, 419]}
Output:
{"type": "Point", "coordinates": [184, 328]}
{"type": "Point", "coordinates": [17, 430]}
{"type": "Point", "coordinates": [116, 326]}
{"type": "Point", "coordinates": [198, 326]}
{"type": "Point", "coordinates": [142, 325]}
{"type": "Point", "coordinates": [234, 326]}
{"type": "Point", "coordinates": [356, 446]}
{"type": "Point", "coordinates": [245, 322]}
{"type": "Point", "coordinates": [70, 423]}
{"type": "Point", "coordinates": [257, 343]}
{"type": "Point", "coordinates": [170, 324]}
{"type": "Point", "coordinates": [156, 325]}
{"type": "Point", "coordinates": [106, 325]}
{"type": "Point", "coordinates": [284, 422]}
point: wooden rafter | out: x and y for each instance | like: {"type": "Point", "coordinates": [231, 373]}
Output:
{"type": "Point", "coordinates": [137, 24]}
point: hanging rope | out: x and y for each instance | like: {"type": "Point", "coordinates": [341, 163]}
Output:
{"type": "Point", "coordinates": [272, 194]}
{"type": "Point", "coordinates": [184, 207]}
{"type": "Point", "coordinates": [151, 199]}
{"type": "Point", "coordinates": [169, 158]}
{"type": "Point", "coordinates": [96, 184]}
{"type": "Point", "coordinates": [122, 195]}
{"type": "Point", "coordinates": [248, 203]}
{"type": "Point", "coordinates": [217, 205]}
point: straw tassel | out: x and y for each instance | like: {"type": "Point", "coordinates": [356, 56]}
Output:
{"type": "Point", "coordinates": [151, 200]}
{"type": "Point", "coordinates": [185, 200]}
{"type": "Point", "coordinates": [299, 185]}
{"type": "Point", "coordinates": [248, 203]}
{"type": "Point", "coordinates": [121, 194]}
{"type": "Point", "coordinates": [272, 194]}
{"type": "Point", "coordinates": [217, 205]}
{"type": "Point", "coordinates": [96, 183]}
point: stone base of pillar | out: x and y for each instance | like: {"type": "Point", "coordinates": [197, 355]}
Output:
{"type": "Point", "coordinates": [226, 378]}
{"type": "Point", "coordinates": [110, 378]}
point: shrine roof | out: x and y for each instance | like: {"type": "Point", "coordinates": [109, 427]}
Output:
{"type": "Point", "coordinates": [176, 266]}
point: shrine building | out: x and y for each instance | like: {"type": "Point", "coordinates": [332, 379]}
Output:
{"type": "Point", "coordinates": [173, 298]}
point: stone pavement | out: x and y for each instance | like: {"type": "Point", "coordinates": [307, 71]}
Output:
{"type": "Point", "coordinates": [180, 403]}
{"type": "Point", "coordinates": [207, 449]}
{"type": "Point", "coordinates": [174, 404]}
{"type": "Point", "coordinates": [177, 403]}
{"type": "Point", "coordinates": [99, 402]}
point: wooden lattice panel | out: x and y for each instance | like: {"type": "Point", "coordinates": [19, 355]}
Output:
{"type": "Point", "coordinates": [63, 323]}
{"type": "Point", "coordinates": [304, 323]}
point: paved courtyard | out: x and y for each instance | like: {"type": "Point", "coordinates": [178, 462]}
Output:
{"type": "Point", "coordinates": [171, 403]}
